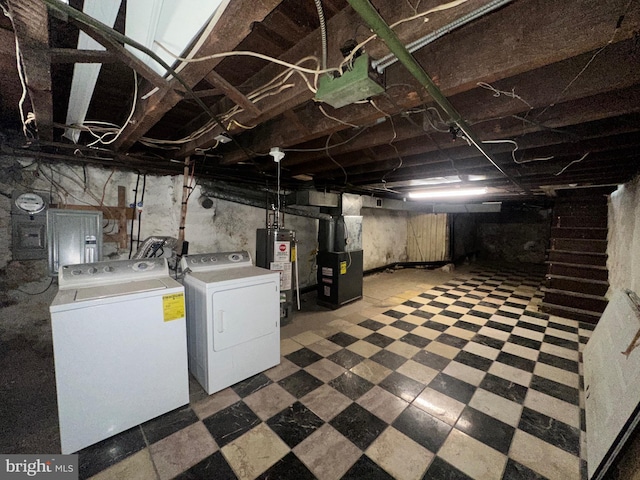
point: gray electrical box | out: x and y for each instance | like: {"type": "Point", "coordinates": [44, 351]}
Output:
{"type": "Point", "coordinates": [73, 236]}
{"type": "Point", "coordinates": [29, 225]}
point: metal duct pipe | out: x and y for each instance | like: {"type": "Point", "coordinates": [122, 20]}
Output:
{"type": "Point", "coordinates": [380, 27]}
{"type": "Point", "coordinates": [260, 204]}
{"type": "Point", "coordinates": [152, 244]}
{"type": "Point", "coordinates": [390, 59]}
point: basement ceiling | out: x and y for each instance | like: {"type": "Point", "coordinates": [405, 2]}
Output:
{"type": "Point", "coordinates": [549, 90]}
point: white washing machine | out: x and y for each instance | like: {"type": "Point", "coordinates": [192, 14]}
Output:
{"type": "Point", "coordinates": [120, 348]}
{"type": "Point", "coordinates": [233, 318]}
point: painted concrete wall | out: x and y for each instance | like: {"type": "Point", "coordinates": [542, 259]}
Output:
{"type": "Point", "coordinates": [516, 235]}
{"type": "Point", "coordinates": [623, 247]}
{"type": "Point", "coordinates": [226, 226]}
{"type": "Point", "coordinates": [384, 237]}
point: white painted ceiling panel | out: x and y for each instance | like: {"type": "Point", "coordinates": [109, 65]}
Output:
{"type": "Point", "coordinates": [85, 75]}
{"type": "Point", "coordinates": [174, 24]}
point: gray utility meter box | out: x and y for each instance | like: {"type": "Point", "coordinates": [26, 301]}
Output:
{"type": "Point", "coordinates": [29, 225]}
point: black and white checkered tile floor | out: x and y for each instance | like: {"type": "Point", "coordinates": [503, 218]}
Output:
{"type": "Point", "coordinates": [464, 381]}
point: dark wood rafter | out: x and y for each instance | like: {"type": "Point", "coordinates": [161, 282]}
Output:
{"type": "Point", "coordinates": [31, 27]}
{"type": "Point", "coordinates": [580, 112]}
{"type": "Point", "coordinates": [496, 63]}
{"type": "Point", "coordinates": [234, 24]}
{"type": "Point", "coordinates": [610, 72]}
{"type": "Point", "coordinates": [72, 55]}
{"type": "Point", "coordinates": [233, 93]}
{"type": "Point", "coordinates": [343, 26]}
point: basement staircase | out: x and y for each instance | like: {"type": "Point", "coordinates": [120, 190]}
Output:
{"type": "Point", "coordinates": [577, 275]}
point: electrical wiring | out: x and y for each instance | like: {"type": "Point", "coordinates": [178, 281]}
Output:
{"type": "Point", "coordinates": [497, 93]}
{"type": "Point", "coordinates": [62, 189]}
{"type": "Point", "coordinates": [590, 61]}
{"type": "Point", "coordinates": [326, 148]}
{"type": "Point", "coordinates": [139, 206]}
{"type": "Point", "coordinates": [349, 58]}
{"type": "Point", "coordinates": [336, 119]}
{"type": "Point", "coordinates": [135, 202]}
{"type": "Point", "coordinates": [273, 87]}
{"type": "Point", "coordinates": [575, 161]}
{"type": "Point", "coordinates": [359, 132]}
{"type": "Point", "coordinates": [117, 134]}
{"type": "Point", "coordinates": [444, 154]}
{"type": "Point", "coordinates": [395, 135]}
{"type": "Point", "coordinates": [513, 152]}
{"type": "Point", "coordinates": [244, 53]}
{"type": "Point", "coordinates": [104, 187]}
{"type": "Point", "coordinates": [30, 117]}
{"type": "Point", "coordinates": [323, 33]}
{"type": "Point", "coordinates": [37, 293]}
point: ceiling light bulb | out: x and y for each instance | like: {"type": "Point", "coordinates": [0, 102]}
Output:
{"type": "Point", "coordinates": [460, 192]}
{"type": "Point", "coordinates": [277, 154]}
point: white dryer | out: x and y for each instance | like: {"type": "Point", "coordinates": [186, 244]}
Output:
{"type": "Point", "coordinates": [120, 348]}
{"type": "Point", "coordinates": [233, 318]}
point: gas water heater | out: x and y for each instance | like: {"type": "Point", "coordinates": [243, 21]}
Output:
{"type": "Point", "coordinates": [276, 250]}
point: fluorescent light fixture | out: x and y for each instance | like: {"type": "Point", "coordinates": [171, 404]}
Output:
{"type": "Point", "coordinates": [458, 192]}
{"type": "Point", "coordinates": [434, 181]}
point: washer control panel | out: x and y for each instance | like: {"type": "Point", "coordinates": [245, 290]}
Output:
{"type": "Point", "coordinates": [202, 262]}
{"type": "Point", "coordinates": [110, 272]}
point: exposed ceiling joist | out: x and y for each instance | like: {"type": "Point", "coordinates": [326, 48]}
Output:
{"type": "Point", "coordinates": [31, 26]}
{"type": "Point", "coordinates": [448, 62]}
{"type": "Point", "coordinates": [235, 23]}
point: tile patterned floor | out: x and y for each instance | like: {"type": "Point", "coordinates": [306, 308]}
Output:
{"type": "Point", "coordinates": [466, 380]}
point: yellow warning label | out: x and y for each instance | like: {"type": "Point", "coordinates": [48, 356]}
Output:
{"type": "Point", "coordinates": [173, 306]}
{"type": "Point", "coordinates": [294, 257]}
{"type": "Point", "coordinates": [343, 268]}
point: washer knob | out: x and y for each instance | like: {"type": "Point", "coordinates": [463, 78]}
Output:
{"type": "Point", "coordinates": [108, 269]}
{"type": "Point", "coordinates": [92, 270]}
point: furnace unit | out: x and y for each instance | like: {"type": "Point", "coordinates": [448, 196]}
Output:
{"type": "Point", "coordinates": [340, 261]}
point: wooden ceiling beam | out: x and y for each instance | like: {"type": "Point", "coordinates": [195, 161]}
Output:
{"type": "Point", "coordinates": [600, 107]}
{"type": "Point", "coordinates": [31, 26]}
{"type": "Point", "coordinates": [343, 27]}
{"type": "Point", "coordinates": [72, 55]}
{"type": "Point", "coordinates": [233, 26]}
{"type": "Point", "coordinates": [533, 49]}
{"type": "Point", "coordinates": [232, 92]}
{"type": "Point", "coordinates": [595, 165]}
{"type": "Point", "coordinates": [613, 71]}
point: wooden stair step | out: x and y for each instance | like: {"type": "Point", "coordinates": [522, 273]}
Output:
{"type": "Point", "coordinates": [581, 209]}
{"type": "Point", "coordinates": [572, 299]}
{"type": "Point", "coordinates": [579, 221]}
{"type": "Point", "coordinates": [583, 285]}
{"type": "Point", "coordinates": [581, 258]}
{"type": "Point", "coordinates": [573, 244]}
{"type": "Point", "coordinates": [579, 314]}
{"type": "Point", "coordinates": [583, 233]}
{"type": "Point", "coordinates": [594, 272]}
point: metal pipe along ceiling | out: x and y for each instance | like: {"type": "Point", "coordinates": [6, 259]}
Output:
{"type": "Point", "coordinates": [370, 15]}
{"type": "Point", "coordinates": [388, 60]}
